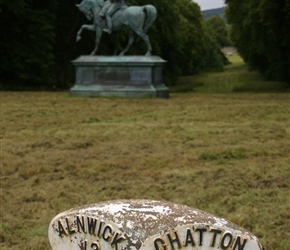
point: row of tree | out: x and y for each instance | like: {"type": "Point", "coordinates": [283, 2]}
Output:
{"type": "Point", "coordinates": [261, 33]}
{"type": "Point", "coordinates": [38, 41]}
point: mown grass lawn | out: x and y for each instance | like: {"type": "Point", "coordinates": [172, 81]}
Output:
{"type": "Point", "coordinates": [225, 153]}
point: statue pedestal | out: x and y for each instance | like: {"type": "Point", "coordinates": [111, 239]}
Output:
{"type": "Point", "coordinates": [119, 76]}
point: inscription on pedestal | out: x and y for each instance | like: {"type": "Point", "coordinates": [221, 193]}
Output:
{"type": "Point", "coordinates": [146, 225]}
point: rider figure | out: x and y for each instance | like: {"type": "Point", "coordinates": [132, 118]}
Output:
{"type": "Point", "coordinates": [109, 8]}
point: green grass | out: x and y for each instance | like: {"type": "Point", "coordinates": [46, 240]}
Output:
{"type": "Point", "coordinates": [227, 154]}
{"type": "Point", "coordinates": [235, 78]}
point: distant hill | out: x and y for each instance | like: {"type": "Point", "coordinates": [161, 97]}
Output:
{"type": "Point", "coordinates": [213, 12]}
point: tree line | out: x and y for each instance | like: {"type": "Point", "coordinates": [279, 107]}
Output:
{"type": "Point", "coordinates": [261, 32]}
{"type": "Point", "coordinates": [38, 41]}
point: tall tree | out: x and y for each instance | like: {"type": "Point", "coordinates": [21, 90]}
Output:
{"type": "Point", "coordinates": [219, 29]}
{"type": "Point", "coordinates": [261, 32]}
{"type": "Point", "coordinates": [27, 40]}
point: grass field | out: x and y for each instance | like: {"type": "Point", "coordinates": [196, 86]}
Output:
{"type": "Point", "coordinates": [225, 153]}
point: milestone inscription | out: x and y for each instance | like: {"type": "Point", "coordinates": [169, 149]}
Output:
{"type": "Point", "coordinates": [89, 232]}
{"type": "Point", "coordinates": [146, 225]}
{"type": "Point", "coordinates": [198, 237]}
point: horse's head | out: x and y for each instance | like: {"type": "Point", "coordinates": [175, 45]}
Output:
{"type": "Point", "coordinates": [88, 7]}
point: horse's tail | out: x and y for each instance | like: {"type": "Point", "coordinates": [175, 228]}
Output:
{"type": "Point", "coordinates": [151, 14]}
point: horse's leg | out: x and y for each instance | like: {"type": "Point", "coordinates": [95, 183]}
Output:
{"type": "Point", "coordinates": [89, 27]}
{"type": "Point", "coordinates": [146, 39]}
{"type": "Point", "coordinates": [130, 42]}
{"type": "Point", "coordinates": [98, 39]}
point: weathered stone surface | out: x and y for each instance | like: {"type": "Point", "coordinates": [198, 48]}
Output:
{"type": "Point", "coordinates": [123, 76]}
{"type": "Point", "coordinates": [145, 225]}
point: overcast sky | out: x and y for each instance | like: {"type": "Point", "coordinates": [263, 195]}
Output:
{"type": "Point", "coordinates": [210, 4]}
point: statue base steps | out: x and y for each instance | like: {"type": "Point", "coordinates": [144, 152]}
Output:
{"type": "Point", "coordinates": [119, 76]}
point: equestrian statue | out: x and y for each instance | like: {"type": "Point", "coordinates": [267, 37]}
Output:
{"type": "Point", "coordinates": [114, 15]}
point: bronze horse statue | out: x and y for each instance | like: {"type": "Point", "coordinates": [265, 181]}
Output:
{"type": "Point", "coordinates": [137, 18]}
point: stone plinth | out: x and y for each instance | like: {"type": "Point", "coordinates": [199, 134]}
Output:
{"type": "Point", "coordinates": [120, 76]}
{"type": "Point", "coordinates": [146, 225]}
